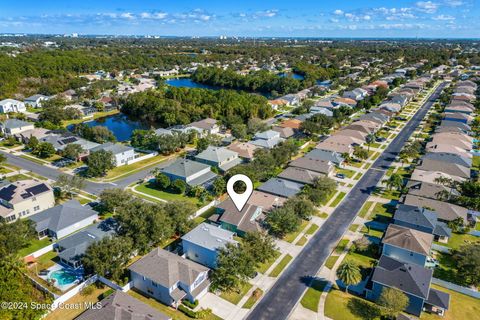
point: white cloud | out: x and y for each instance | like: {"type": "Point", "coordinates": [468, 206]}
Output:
{"type": "Point", "coordinates": [454, 3]}
{"type": "Point", "coordinates": [267, 13]}
{"type": "Point", "coordinates": [443, 17]}
{"type": "Point", "coordinates": [127, 15]}
{"type": "Point", "coordinates": [338, 12]}
{"type": "Point", "coordinates": [427, 6]}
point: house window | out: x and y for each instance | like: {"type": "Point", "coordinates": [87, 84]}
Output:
{"type": "Point", "coordinates": [10, 218]}
{"type": "Point", "coordinates": [36, 208]}
{"type": "Point", "coordinates": [150, 291]}
{"type": "Point", "coordinates": [154, 284]}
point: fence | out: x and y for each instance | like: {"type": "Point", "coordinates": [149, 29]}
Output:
{"type": "Point", "coordinates": [42, 251]}
{"type": "Point", "coordinates": [440, 248]}
{"type": "Point", "coordinates": [205, 208]}
{"type": "Point", "coordinates": [69, 294]}
{"type": "Point", "coordinates": [456, 287]}
{"type": "Point", "coordinates": [113, 285]}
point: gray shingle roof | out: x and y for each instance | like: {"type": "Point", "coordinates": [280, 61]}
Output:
{"type": "Point", "coordinates": [15, 123]}
{"type": "Point", "coordinates": [209, 236]}
{"type": "Point", "coordinates": [216, 154]}
{"type": "Point", "coordinates": [114, 148]}
{"type": "Point", "coordinates": [409, 278]}
{"type": "Point", "coordinates": [445, 211]}
{"type": "Point", "coordinates": [62, 216]}
{"type": "Point", "coordinates": [438, 298]}
{"type": "Point", "coordinates": [416, 215]}
{"type": "Point", "coordinates": [313, 164]}
{"type": "Point", "coordinates": [299, 175]}
{"type": "Point", "coordinates": [166, 268]}
{"type": "Point", "coordinates": [281, 187]}
{"type": "Point", "coordinates": [327, 155]}
{"type": "Point", "coordinates": [184, 167]}
{"type": "Point", "coordinates": [122, 306]}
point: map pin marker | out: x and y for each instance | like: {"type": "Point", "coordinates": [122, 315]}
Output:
{"type": "Point", "coordinates": [239, 199]}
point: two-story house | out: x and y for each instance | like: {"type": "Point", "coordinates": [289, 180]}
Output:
{"type": "Point", "coordinates": [222, 158]}
{"type": "Point", "coordinates": [122, 154]}
{"type": "Point", "coordinates": [35, 101]}
{"type": "Point", "coordinates": [12, 105]}
{"type": "Point", "coordinates": [194, 173]}
{"type": "Point", "coordinates": [203, 243]}
{"type": "Point", "coordinates": [12, 127]}
{"type": "Point", "coordinates": [23, 198]}
{"type": "Point", "coordinates": [169, 278]}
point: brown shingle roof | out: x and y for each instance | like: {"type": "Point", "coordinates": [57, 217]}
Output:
{"type": "Point", "coordinates": [409, 239]}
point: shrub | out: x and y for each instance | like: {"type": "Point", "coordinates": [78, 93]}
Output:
{"type": "Point", "coordinates": [106, 294]}
{"type": "Point", "coordinates": [188, 312]}
{"type": "Point", "coordinates": [87, 290]}
{"type": "Point", "coordinates": [190, 304]}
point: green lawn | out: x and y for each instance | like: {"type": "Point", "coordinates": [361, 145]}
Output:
{"type": "Point", "coordinates": [457, 240]}
{"type": "Point", "coordinates": [461, 307]}
{"type": "Point", "coordinates": [301, 241]}
{"type": "Point", "coordinates": [324, 215]}
{"type": "Point", "coordinates": [235, 297]}
{"type": "Point", "coordinates": [4, 170]}
{"type": "Point", "coordinates": [168, 196]}
{"type": "Point", "coordinates": [348, 173]}
{"type": "Point", "coordinates": [313, 228]}
{"type": "Point", "coordinates": [342, 306]}
{"type": "Point", "coordinates": [122, 171]}
{"type": "Point", "coordinates": [342, 244]}
{"type": "Point", "coordinates": [280, 266]}
{"type": "Point", "coordinates": [34, 246]}
{"type": "Point", "coordinates": [256, 294]}
{"type": "Point", "coordinates": [476, 162]}
{"type": "Point", "coordinates": [204, 216]}
{"type": "Point", "coordinates": [312, 296]}
{"type": "Point", "coordinates": [266, 265]}
{"type": "Point", "coordinates": [365, 208]}
{"type": "Point", "coordinates": [17, 177]}
{"type": "Point", "coordinates": [331, 262]}
{"type": "Point", "coordinates": [372, 232]}
{"type": "Point", "coordinates": [337, 200]}
{"type": "Point", "coordinates": [357, 176]}
{"type": "Point", "coordinates": [33, 159]}
{"type": "Point", "coordinates": [293, 235]}
{"type": "Point", "coordinates": [174, 314]}
{"type": "Point", "coordinates": [353, 227]}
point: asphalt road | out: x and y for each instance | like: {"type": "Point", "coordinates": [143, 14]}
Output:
{"type": "Point", "coordinates": [281, 299]}
{"type": "Point", "coordinates": [90, 187]}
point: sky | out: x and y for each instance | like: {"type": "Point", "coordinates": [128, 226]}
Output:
{"type": "Point", "coordinates": [252, 18]}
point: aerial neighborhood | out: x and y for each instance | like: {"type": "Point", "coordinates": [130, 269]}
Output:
{"type": "Point", "coordinates": [364, 163]}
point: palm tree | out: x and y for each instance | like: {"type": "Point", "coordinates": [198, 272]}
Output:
{"type": "Point", "coordinates": [349, 273]}
{"type": "Point", "coordinates": [394, 181]}
{"type": "Point", "coordinates": [369, 139]}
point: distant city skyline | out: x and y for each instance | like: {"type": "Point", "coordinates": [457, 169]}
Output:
{"type": "Point", "coordinates": [356, 19]}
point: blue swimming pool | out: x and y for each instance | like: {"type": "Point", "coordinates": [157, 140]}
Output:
{"type": "Point", "coordinates": [63, 277]}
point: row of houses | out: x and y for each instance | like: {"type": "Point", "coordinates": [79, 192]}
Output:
{"type": "Point", "coordinates": [13, 105]}
{"type": "Point", "coordinates": [406, 262]}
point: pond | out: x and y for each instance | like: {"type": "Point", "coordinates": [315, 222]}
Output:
{"type": "Point", "coordinates": [292, 75]}
{"type": "Point", "coordinates": [188, 83]}
{"type": "Point", "coordinates": [121, 125]}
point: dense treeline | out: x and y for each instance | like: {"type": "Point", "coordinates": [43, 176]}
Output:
{"type": "Point", "coordinates": [183, 105]}
{"type": "Point", "coordinates": [258, 81]}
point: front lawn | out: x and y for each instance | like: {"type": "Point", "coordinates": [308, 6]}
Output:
{"type": "Point", "coordinates": [365, 208]}
{"type": "Point", "coordinates": [331, 262]}
{"type": "Point", "coordinates": [18, 177]}
{"type": "Point", "coordinates": [256, 294]}
{"type": "Point", "coordinates": [122, 171]}
{"type": "Point", "coordinates": [267, 264]}
{"type": "Point", "coordinates": [341, 246]}
{"type": "Point", "coordinates": [343, 306]}
{"type": "Point", "coordinates": [348, 173]}
{"type": "Point", "coordinates": [301, 241]}
{"type": "Point", "coordinates": [280, 266]}
{"type": "Point", "coordinates": [476, 162]}
{"type": "Point", "coordinates": [147, 188]}
{"type": "Point", "coordinates": [293, 235]}
{"type": "Point", "coordinates": [337, 200]}
{"type": "Point", "coordinates": [312, 296]}
{"type": "Point", "coordinates": [313, 228]}
{"type": "Point", "coordinates": [235, 297]}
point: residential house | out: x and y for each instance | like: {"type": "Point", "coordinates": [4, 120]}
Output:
{"type": "Point", "coordinates": [277, 103]}
{"type": "Point", "coordinates": [281, 187]}
{"type": "Point", "coordinates": [202, 244]}
{"type": "Point", "coordinates": [291, 99]}
{"type": "Point", "coordinates": [12, 105]}
{"type": "Point", "coordinates": [39, 133]}
{"type": "Point", "coordinates": [64, 219]}
{"type": "Point", "coordinates": [284, 132]}
{"type": "Point", "coordinates": [448, 163]}
{"type": "Point", "coordinates": [299, 175]}
{"type": "Point", "coordinates": [405, 244]}
{"type": "Point", "coordinates": [13, 127]}
{"type": "Point", "coordinates": [35, 101]}
{"type": "Point", "coordinates": [458, 117]}
{"type": "Point", "coordinates": [244, 150]}
{"type": "Point", "coordinates": [352, 133]}
{"type": "Point", "coordinates": [324, 167]}
{"type": "Point", "coordinates": [458, 126]}
{"type": "Point", "coordinates": [169, 278]}
{"type": "Point", "coordinates": [60, 141]}
{"type": "Point", "coordinates": [339, 101]}
{"type": "Point", "coordinates": [267, 139]}
{"type": "Point", "coordinates": [332, 156]}
{"type": "Point", "coordinates": [430, 190]}
{"type": "Point", "coordinates": [341, 146]}
{"type": "Point", "coordinates": [448, 148]}
{"type": "Point", "coordinates": [321, 110]}
{"type": "Point", "coordinates": [433, 176]}
{"type": "Point", "coordinates": [376, 117]}
{"type": "Point", "coordinates": [413, 280]}
{"type": "Point", "coordinates": [249, 219]}
{"type": "Point", "coordinates": [24, 198]}
{"type": "Point", "coordinates": [206, 126]}
{"type": "Point", "coordinates": [222, 158]}
{"type": "Point", "coordinates": [422, 219]}
{"type": "Point", "coordinates": [366, 127]}
{"type": "Point", "coordinates": [122, 306]}
{"type": "Point", "coordinates": [291, 123]}
{"type": "Point", "coordinates": [446, 212]}
{"type": "Point", "coordinates": [192, 172]}
{"type": "Point", "coordinates": [356, 94]}
{"type": "Point", "coordinates": [71, 249]}
{"type": "Point", "coordinates": [122, 154]}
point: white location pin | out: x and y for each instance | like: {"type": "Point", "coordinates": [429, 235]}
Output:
{"type": "Point", "coordinates": [239, 199]}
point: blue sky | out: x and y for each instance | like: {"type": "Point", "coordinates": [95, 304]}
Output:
{"type": "Point", "coordinates": [358, 18]}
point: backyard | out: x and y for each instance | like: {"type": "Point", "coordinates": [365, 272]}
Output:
{"type": "Point", "coordinates": [148, 189]}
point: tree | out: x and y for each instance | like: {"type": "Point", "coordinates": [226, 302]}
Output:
{"type": "Point", "coordinates": [3, 158]}
{"type": "Point", "coordinates": [260, 246]}
{"type": "Point", "coordinates": [281, 221]}
{"type": "Point", "coordinates": [362, 244]}
{"type": "Point", "coordinates": [219, 186]}
{"type": "Point", "coordinates": [369, 139]}
{"type": "Point", "coordinates": [360, 153]}
{"type": "Point", "coordinates": [180, 213]}
{"type": "Point", "coordinates": [162, 181]}
{"type": "Point", "coordinates": [392, 301]}
{"type": "Point", "coordinates": [32, 143]}
{"type": "Point", "coordinates": [72, 151]}
{"type": "Point", "coordinates": [108, 257]}
{"type": "Point", "coordinates": [457, 225]}
{"type": "Point", "coordinates": [179, 186]}
{"type": "Point", "coordinates": [202, 144]}
{"type": "Point", "coordinates": [44, 150]}
{"type": "Point", "coordinates": [394, 181]}
{"type": "Point", "coordinates": [15, 236]}
{"type": "Point", "coordinates": [467, 259]}
{"type": "Point", "coordinates": [349, 273]}
{"type": "Point", "coordinates": [101, 134]}
{"type": "Point", "coordinates": [321, 188]}
{"type": "Point", "coordinates": [69, 183]}
{"type": "Point", "coordinates": [99, 162]}
{"type": "Point", "coordinates": [112, 199]}
{"type": "Point", "coordinates": [239, 131]}
{"type": "Point", "coordinates": [302, 206]}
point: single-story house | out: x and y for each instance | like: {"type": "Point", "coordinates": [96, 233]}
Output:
{"type": "Point", "coordinates": [266, 201]}
{"type": "Point", "coordinates": [267, 139]}
{"type": "Point", "coordinates": [122, 306]}
{"type": "Point", "coordinates": [325, 167]}
{"type": "Point", "coordinates": [332, 156]}
{"type": "Point", "coordinates": [281, 187]}
{"type": "Point", "coordinates": [64, 219]}
{"type": "Point", "coordinates": [300, 175]}
{"type": "Point", "coordinates": [203, 243]}
{"type": "Point", "coordinates": [429, 190]}
{"type": "Point", "coordinates": [448, 148]}
{"type": "Point", "coordinates": [72, 248]}
{"type": "Point", "coordinates": [169, 278]}
{"type": "Point", "coordinates": [35, 101]}
{"type": "Point", "coordinates": [245, 150]}
{"type": "Point", "coordinates": [458, 117]}
{"type": "Point", "coordinates": [222, 158]}
{"type": "Point", "coordinates": [60, 141]}
{"type": "Point", "coordinates": [422, 219]}
{"type": "Point", "coordinates": [13, 127]}
{"type": "Point", "coordinates": [122, 154]}
{"type": "Point", "coordinates": [321, 110]}
{"type": "Point", "coordinates": [407, 244]}
{"type": "Point", "coordinates": [432, 176]}
{"type": "Point", "coordinates": [413, 280]}
{"type": "Point", "coordinates": [194, 173]}
{"type": "Point", "coordinates": [207, 126]}
{"type": "Point", "coordinates": [284, 132]}
{"type": "Point", "coordinates": [12, 105]}
{"type": "Point", "coordinates": [291, 123]}
{"type": "Point", "coordinates": [448, 163]}
{"type": "Point", "coordinates": [446, 212]}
